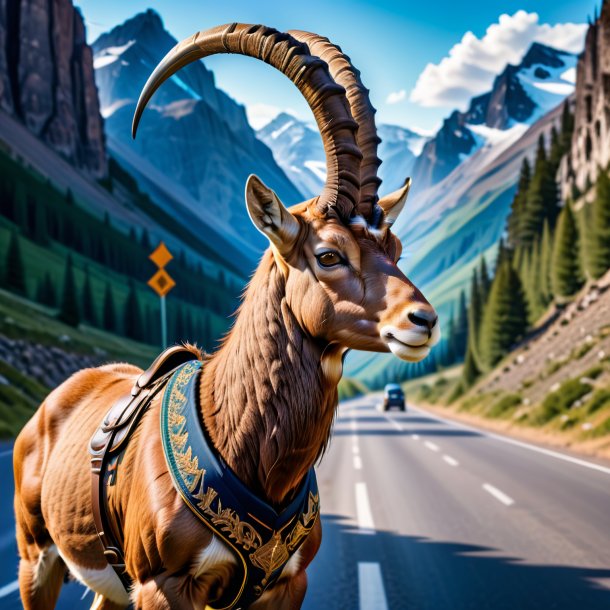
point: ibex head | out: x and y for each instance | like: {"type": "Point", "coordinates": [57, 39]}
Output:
{"type": "Point", "coordinates": [336, 252]}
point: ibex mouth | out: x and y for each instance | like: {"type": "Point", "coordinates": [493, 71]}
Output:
{"type": "Point", "coordinates": [410, 345]}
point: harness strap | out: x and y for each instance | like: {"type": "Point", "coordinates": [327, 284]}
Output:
{"type": "Point", "coordinates": [109, 441]}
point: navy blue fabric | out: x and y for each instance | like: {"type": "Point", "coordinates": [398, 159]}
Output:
{"type": "Point", "coordinates": [263, 538]}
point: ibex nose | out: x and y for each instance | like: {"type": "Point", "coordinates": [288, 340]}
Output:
{"type": "Point", "coordinates": [423, 317]}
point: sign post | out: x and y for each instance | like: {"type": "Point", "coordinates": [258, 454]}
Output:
{"type": "Point", "coordinates": [162, 282]}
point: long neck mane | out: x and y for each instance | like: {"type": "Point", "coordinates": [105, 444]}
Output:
{"type": "Point", "coordinates": [268, 395]}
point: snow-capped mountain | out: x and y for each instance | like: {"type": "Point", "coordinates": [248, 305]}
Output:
{"type": "Point", "coordinates": [298, 150]}
{"type": "Point", "coordinates": [520, 96]}
{"type": "Point", "coordinates": [194, 141]}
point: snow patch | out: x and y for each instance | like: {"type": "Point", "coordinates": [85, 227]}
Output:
{"type": "Point", "coordinates": [110, 110]}
{"type": "Point", "coordinates": [110, 55]}
{"type": "Point", "coordinates": [318, 168]}
{"type": "Point", "coordinates": [569, 75]}
{"type": "Point", "coordinates": [278, 132]}
{"type": "Point", "coordinates": [547, 93]}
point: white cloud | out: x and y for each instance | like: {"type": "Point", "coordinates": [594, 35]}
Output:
{"type": "Point", "coordinates": [396, 96]}
{"type": "Point", "coordinates": [473, 63]}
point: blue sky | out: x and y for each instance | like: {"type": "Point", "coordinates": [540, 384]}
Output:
{"type": "Point", "coordinates": [391, 42]}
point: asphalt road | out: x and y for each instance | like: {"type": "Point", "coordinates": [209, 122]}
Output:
{"type": "Point", "coordinates": [420, 513]}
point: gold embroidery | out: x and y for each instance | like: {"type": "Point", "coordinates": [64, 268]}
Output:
{"type": "Point", "coordinates": [268, 557]}
{"type": "Point", "coordinates": [271, 556]}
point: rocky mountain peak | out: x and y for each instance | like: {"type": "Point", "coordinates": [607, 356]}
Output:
{"type": "Point", "coordinates": [147, 28]}
{"type": "Point", "coordinates": [520, 94]}
{"type": "Point", "coordinates": [187, 118]}
{"type": "Point", "coordinates": [542, 54]}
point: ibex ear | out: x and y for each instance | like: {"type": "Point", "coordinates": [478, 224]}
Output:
{"type": "Point", "coordinates": [269, 215]}
{"type": "Point", "coordinates": [393, 203]}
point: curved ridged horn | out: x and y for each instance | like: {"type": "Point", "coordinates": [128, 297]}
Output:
{"type": "Point", "coordinates": [310, 74]}
{"type": "Point", "coordinates": [346, 75]}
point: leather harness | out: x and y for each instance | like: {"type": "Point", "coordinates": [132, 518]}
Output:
{"type": "Point", "coordinates": [262, 539]}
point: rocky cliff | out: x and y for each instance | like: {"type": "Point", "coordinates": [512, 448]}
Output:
{"type": "Point", "coordinates": [47, 80]}
{"type": "Point", "coordinates": [591, 140]}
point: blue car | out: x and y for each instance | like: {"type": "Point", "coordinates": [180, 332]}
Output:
{"type": "Point", "coordinates": [393, 396]}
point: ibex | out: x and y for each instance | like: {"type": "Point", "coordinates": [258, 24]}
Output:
{"type": "Point", "coordinates": [328, 283]}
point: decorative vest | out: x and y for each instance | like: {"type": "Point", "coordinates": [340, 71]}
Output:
{"type": "Point", "coordinates": [262, 539]}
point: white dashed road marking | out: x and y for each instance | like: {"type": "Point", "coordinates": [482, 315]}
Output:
{"type": "Point", "coordinates": [498, 495]}
{"type": "Point", "coordinates": [415, 437]}
{"type": "Point", "coordinates": [357, 462]}
{"type": "Point", "coordinates": [431, 446]}
{"type": "Point", "coordinates": [371, 592]}
{"type": "Point", "coordinates": [451, 461]}
{"type": "Point", "coordinates": [363, 510]}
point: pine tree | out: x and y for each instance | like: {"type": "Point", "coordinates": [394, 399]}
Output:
{"type": "Point", "coordinates": [546, 261]}
{"type": "Point", "coordinates": [475, 309]}
{"type": "Point", "coordinates": [449, 355]}
{"type": "Point", "coordinates": [542, 196]}
{"type": "Point", "coordinates": [109, 313]}
{"type": "Point", "coordinates": [461, 328]}
{"type": "Point", "coordinates": [533, 290]}
{"type": "Point", "coordinates": [567, 126]}
{"type": "Point", "coordinates": [556, 148]}
{"type": "Point", "coordinates": [518, 206]}
{"type": "Point", "coordinates": [87, 300]}
{"type": "Point", "coordinates": [46, 291]}
{"type": "Point", "coordinates": [470, 371]}
{"type": "Point", "coordinates": [484, 281]}
{"type": "Point", "coordinates": [525, 273]}
{"type": "Point", "coordinates": [145, 240]}
{"type": "Point", "coordinates": [15, 273]}
{"type": "Point", "coordinates": [505, 316]}
{"type": "Point", "coordinates": [502, 255]}
{"type": "Point", "coordinates": [132, 320]}
{"type": "Point", "coordinates": [598, 251]}
{"type": "Point", "coordinates": [68, 311]}
{"type": "Point", "coordinates": [567, 269]}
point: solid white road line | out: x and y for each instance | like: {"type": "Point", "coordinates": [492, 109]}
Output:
{"type": "Point", "coordinates": [498, 495]}
{"type": "Point", "coordinates": [371, 592]}
{"type": "Point", "coordinates": [431, 446]}
{"type": "Point", "coordinates": [8, 589]}
{"type": "Point", "coordinates": [363, 510]}
{"type": "Point", "coordinates": [512, 441]}
{"type": "Point", "coordinates": [451, 461]}
{"type": "Point", "coordinates": [357, 462]}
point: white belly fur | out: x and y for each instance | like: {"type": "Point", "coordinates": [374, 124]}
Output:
{"type": "Point", "coordinates": [214, 554]}
{"type": "Point", "coordinates": [105, 582]}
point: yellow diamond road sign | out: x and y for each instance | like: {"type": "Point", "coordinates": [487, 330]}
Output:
{"type": "Point", "coordinates": [161, 282]}
{"type": "Point", "coordinates": [161, 256]}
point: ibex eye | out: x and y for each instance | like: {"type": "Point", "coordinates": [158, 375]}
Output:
{"type": "Point", "coordinates": [329, 259]}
